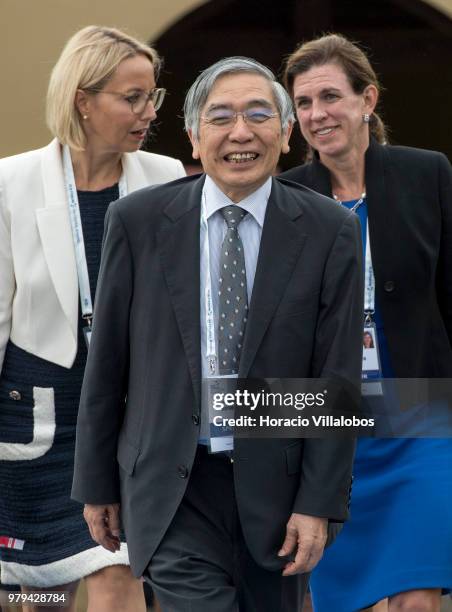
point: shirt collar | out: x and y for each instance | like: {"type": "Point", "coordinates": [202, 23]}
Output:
{"type": "Point", "coordinates": [255, 204]}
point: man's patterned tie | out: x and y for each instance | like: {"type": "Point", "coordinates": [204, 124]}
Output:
{"type": "Point", "coordinates": [232, 294]}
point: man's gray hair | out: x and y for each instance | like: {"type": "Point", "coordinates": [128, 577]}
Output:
{"type": "Point", "coordinates": [199, 92]}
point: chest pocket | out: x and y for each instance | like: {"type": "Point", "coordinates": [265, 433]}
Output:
{"type": "Point", "coordinates": [28, 421]}
{"type": "Point", "coordinates": [297, 306]}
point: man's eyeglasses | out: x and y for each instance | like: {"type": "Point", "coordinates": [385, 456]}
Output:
{"type": "Point", "coordinates": [139, 100]}
{"type": "Point", "coordinates": [225, 117]}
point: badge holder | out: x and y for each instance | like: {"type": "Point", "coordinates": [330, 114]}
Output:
{"type": "Point", "coordinates": [221, 436]}
{"type": "Point", "coordinates": [371, 364]}
{"type": "Point", "coordinates": [87, 329]}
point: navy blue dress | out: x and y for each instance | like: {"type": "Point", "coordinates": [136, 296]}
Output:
{"type": "Point", "coordinates": [400, 531]}
{"type": "Point", "coordinates": [45, 539]}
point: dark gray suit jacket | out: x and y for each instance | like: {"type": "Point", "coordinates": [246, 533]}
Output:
{"type": "Point", "coordinates": [139, 413]}
{"type": "Point", "coordinates": [409, 202]}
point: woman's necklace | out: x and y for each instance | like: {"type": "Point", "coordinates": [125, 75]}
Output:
{"type": "Point", "coordinates": [355, 206]}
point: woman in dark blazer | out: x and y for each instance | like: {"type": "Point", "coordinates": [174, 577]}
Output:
{"type": "Point", "coordinates": [398, 543]}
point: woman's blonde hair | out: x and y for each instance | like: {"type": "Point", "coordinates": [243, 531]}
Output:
{"type": "Point", "coordinates": [88, 61]}
{"type": "Point", "coordinates": [336, 49]}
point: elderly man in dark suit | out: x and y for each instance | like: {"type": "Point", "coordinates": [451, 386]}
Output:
{"type": "Point", "coordinates": [231, 273]}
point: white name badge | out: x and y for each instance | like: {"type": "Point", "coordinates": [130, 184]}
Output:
{"type": "Point", "coordinates": [371, 367]}
{"type": "Point", "coordinates": [87, 330]}
{"type": "Point", "coordinates": [223, 441]}
{"type": "Point", "coordinates": [221, 437]}
{"type": "Point", "coordinates": [371, 359]}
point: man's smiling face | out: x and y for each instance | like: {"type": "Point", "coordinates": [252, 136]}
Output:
{"type": "Point", "coordinates": [241, 156]}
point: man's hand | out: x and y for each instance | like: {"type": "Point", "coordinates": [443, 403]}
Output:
{"type": "Point", "coordinates": [307, 535]}
{"type": "Point", "coordinates": [104, 525]}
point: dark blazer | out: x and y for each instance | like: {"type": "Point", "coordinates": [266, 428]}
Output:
{"type": "Point", "coordinates": [139, 414]}
{"type": "Point", "coordinates": [409, 199]}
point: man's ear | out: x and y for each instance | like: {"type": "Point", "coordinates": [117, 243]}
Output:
{"type": "Point", "coordinates": [82, 102]}
{"type": "Point", "coordinates": [194, 144]}
{"type": "Point", "coordinates": [285, 148]}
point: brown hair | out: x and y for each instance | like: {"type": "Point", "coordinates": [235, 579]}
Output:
{"type": "Point", "coordinates": [335, 48]}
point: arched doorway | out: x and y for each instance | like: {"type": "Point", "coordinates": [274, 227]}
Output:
{"type": "Point", "coordinates": [410, 45]}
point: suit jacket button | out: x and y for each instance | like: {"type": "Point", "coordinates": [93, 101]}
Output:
{"type": "Point", "coordinates": [389, 286]}
{"type": "Point", "coordinates": [15, 395]}
{"type": "Point", "coordinates": [183, 472]}
{"type": "Point", "coordinates": [195, 419]}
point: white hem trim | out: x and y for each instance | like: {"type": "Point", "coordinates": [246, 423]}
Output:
{"type": "Point", "coordinates": [63, 571]}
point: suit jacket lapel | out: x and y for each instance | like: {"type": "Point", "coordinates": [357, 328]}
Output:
{"type": "Point", "coordinates": [281, 244]}
{"type": "Point", "coordinates": [55, 229]}
{"type": "Point", "coordinates": [319, 178]}
{"type": "Point", "coordinates": [381, 225]}
{"type": "Point", "coordinates": [180, 254]}
{"type": "Point", "coordinates": [135, 176]}
{"type": "Point", "coordinates": [55, 233]}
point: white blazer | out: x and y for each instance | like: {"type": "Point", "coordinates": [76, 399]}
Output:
{"type": "Point", "coordinates": [38, 277]}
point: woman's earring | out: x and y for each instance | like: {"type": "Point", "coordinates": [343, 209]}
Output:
{"type": "Point", "coordinates": [366, 117]}
{"type": "Point", "coordinates": [85, 116]}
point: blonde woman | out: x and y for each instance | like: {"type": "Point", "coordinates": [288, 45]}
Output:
{"type": "Point", "coordinates": [102, 99]}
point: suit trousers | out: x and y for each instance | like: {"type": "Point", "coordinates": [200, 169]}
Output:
{"type": "Point", "coordinates": [202, 563]}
